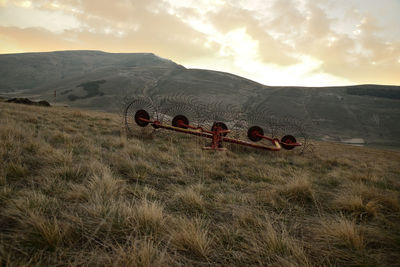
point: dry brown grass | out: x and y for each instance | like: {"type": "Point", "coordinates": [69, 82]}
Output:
{"type": "Point", "coordinates": [142, 253]}
{"type": "Point", "coordinates": [344, 242]}
{"type": "Point", "coordinates": [189, 199]}
{"type": "Point", "coordinates": [298, 188]}
{"type": "Point", "coordinates": [191, 236]}
{"type": "Point", "coordinates": [75, 190]}
{"type": "Point", "coordinates": [273, 244]}
{"type": "Point", "coordinates": [149, 217]}
{"type": "Point", "coordinates": [342, 232]}
{"type": "Point", "coordinates": [360, 199]}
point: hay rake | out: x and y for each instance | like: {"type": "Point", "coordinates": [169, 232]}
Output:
{"type": "Point", "coordinates": [210, 121]}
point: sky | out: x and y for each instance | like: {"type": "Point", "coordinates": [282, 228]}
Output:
{"type": "Point", "coordinates": [274, 42]}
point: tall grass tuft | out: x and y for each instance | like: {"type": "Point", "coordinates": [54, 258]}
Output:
{"type": "Point", "coordinates": [192, 236]}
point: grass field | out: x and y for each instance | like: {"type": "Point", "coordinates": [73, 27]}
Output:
{"type": "Point", "coordinates": [74, 190]}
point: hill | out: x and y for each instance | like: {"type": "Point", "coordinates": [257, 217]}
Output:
{"type": "Point", "coordinates": [101, 81]}
{"type": "Point", "coordinates": [75, 190]}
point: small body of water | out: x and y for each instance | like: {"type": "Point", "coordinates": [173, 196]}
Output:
{"type": "Point", "coordinates": [353, 141]}
{"type": "Point", "coordinates": [360, 142]}
{"type": "Point", "coordinates": [390, 147]}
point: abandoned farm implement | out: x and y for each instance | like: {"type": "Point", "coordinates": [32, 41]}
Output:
{"type": "Point", "coordinates": [142, 113]}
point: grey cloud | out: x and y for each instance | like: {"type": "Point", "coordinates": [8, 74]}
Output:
{"type": "Point", "coordinates": [286, 31]}
{"type": "Point", "coordinates": [362, 58]}
{"type": "Point", "coordinates": [146, 24]}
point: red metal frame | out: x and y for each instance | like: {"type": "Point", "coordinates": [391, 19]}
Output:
{"type": "Point", "coordinates": [255, 133]}
{"type": "Point", "coordinates": [218, 137]}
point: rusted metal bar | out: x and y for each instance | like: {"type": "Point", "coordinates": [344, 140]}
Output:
{"type": "Point", "coordinates": [216, 135]}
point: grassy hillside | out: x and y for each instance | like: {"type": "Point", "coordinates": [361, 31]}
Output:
{"type": "Point", "coordinates": [72, 73]}
{"type": "Point", "coordinates": [74, 190]}
{"type": "Point", "coordinates": [101, 81]}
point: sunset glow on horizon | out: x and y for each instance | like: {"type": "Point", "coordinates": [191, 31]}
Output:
{"type": "Point", "coordinates": [274, 42]}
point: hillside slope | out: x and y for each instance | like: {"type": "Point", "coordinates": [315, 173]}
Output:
{"type": "Point", "coordinates": [98, 80]}
{"type": "Point", "coordinates": [74, 190]}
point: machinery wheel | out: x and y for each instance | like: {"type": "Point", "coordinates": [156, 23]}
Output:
{"type": "Point", "coordinates": [254, 132]}
{"type": "Point", "coordinates": [144, 115]}
{"type": "Point", "coordinates": [177, 118]}
{"type": "Point", "coordinates": [288, 139]}
{"type": "Point", "coordinates": [221, 125]}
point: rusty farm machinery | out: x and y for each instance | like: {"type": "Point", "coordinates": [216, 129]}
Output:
{"type": "Point", "coordinates": [211, 121]}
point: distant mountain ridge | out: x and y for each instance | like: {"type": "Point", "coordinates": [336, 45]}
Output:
{"type": "Point", "coordinates": [369, 112]}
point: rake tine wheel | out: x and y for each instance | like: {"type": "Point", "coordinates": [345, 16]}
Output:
{"type": "Point", "coordinates": [180, 105]}
{"type": "Point", "coordinates": [254, 133]}
{"type": "Point", "coordinates": [135, 104]}
{"type": "Point", "coordinates": [180, 121]}
{"type": "Point", "coordinates": [215, 121]}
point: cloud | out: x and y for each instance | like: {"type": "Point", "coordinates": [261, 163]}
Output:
{"type": "Point", "coordinates": [363, 57]}
{"type": "Point", "coordinates": [230, 18]}
{"type": "Point", "coordinates": [294, 29]}
{"type": "Point", "coordinates": [37, 39]}
{"type": "Point", "coordinates": [123, 27]}
{"type": "Point", "coordinates": [32, 40]}
{"type": "Point", "coordinates": [22, 17]}
{"type": "Point", "coordinates": [344, 41]}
